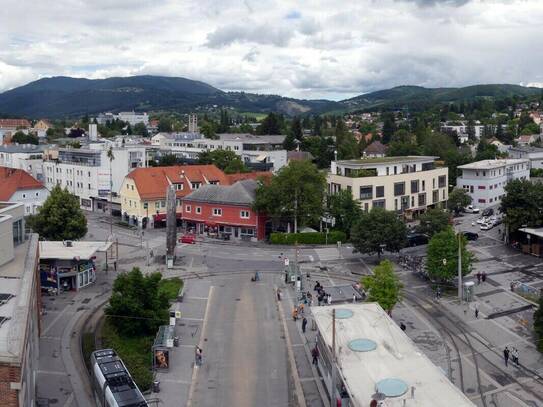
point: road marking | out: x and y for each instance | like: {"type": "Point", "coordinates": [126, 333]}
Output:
{"type": "Point", "coordinates": [175, 381]}
{"type": "Point", "coordinates": [195, 319]}
{"type": "Point", "coordinates": [195, 298]}
{"type": "Point", "coordinates": [52, 372]}
{"type": "Point", "coordinates": [54, 321]}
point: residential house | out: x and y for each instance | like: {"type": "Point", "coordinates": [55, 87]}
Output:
{"type": "Point", "coordinates": [19, 186]}
{"type": "Point", "coordinates": [534, 154]}
{"type": "Point", "coordinates": [225, 211]}
{"type": "Point", "coordinates": [485, 180]}
{"type": "Point", "coordinates": [408, 185]}
{"type": "Point", "coordinates": [375, 150]}
{"type": "Point", "coordinates": [27, 157]}
{"type": "Point", "coordinates": [526, 140]}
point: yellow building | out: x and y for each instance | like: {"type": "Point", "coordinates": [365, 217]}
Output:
{"type": "Point", "coordinates": [43, 125]}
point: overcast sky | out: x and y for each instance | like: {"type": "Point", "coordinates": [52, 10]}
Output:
{"type": "Point", "coordinates": [306, 49]}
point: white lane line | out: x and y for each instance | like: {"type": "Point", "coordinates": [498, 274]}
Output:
{"type": "Point", "coordinates": [54, 321]}
{"type": "Point", "coordinates": [193, 319]}
{"type": "Point", "coordinates": [46, 372]}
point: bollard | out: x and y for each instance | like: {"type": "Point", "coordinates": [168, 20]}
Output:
{"type": "Point", "coordinates": [176, 341]}
{"type": "Point", "coordinates": [156, 386]}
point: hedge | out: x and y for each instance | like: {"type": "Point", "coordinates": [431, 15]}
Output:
{"type": "Point", "coordinates": [308, 238]}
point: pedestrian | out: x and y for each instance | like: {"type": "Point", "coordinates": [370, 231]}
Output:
{"type": "Point", "coordinates": [197, 356]}
{"type": "Point", "coordinates": [278, 294]}
{"type": "Point", "coordinates": [115, 265]}
{"type": "Point", "coordinates": [402, 326]}
{"type": "Point", "coordinates": [515, 356]}
{"type": "Point", "coordinates": [483, 276]}
{"type": "Point", "coordinates": [329, 299]}
{"type": "Point", "coordinates": [438, 293]}
{"type": "Point", "coordinates": [478, 277]}
{"type": "Point", "coordinates": [506, 355]}
{"type": "Point", "coordinates": [295, 314]}
{"type": "Point", "coordinates": [317, 286]}
{"type": "Point", "coordinates": [476, 311]}
{"type": "Point", "coordinates": [301, 308]}
{"type": "Point", "coordinates": [304, 324]}
{"type": "Point", "coordinates": [315, 355]}
{"type": "Point", "coordinates": [354, 298]}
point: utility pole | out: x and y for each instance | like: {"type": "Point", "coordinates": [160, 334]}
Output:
{"type": "Point", "coordinates": [334, 360]}
{"type": "Point", "coordinates": [460, 268]}
{"type": "Point", "coordinates": [296, 210]}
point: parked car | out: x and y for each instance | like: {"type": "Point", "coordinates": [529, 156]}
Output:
{"type": "Point", "coordinates": [471, 209]}
{"type": "Point", "coordinates": [471, 235]}
{"type": "Point", "coordinates": [190, 239]}
{"type": "Point", "coordinates": [487, 226]}
{"type": "Point", "coordinates": [482, 220]}
{"type": "Point", "coordinates": [416, 239]}
{"type": "Point", "coordinates": [488, 212]}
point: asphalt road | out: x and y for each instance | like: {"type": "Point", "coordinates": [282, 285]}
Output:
{"type": "Point", "coordinates": [244, 352]}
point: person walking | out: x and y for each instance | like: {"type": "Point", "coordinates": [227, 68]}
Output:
{"type": "Point", "coordinates": [483, 276]}
{"type": "Point", "coordinates": [295, 314]}
{"type": "Point", "coordinates": [301, 308]}
{"type": "Point", "coordinates": [197, 356]}
{"type": "Point", "coordinates": [315, 355]}
{"type": "Point", "coordinates": [329, 299]}
{"type": "Point", "coordinates": [478, 277]}
{"type": "Point", "coordinates": [354, 298]}
{"type": "Point", "coordinates": [476, 311]}
{"type": "Point", "coordinates": [506, 355]}
{"type": "Point", "coordinates": [278, 294]}
{"type": "Point", "coordinates": [304, 324]}
{"type": "Point", "coordinates": [115, 265]}
{"type": "Point", "coordinates": [515, 356]}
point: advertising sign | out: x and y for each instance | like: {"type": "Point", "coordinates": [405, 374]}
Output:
{"type": "Point", "coordinates": [162, 358]}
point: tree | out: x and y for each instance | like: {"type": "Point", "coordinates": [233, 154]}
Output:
{"type": "Point", "coordinates": [295, 194]}
{"type": "Point", "coordinates": [458, 199]}
{"type": "Point", "coordinates": [22, 138]}
{"type": "Point", "coordinates": [224, 123]}
{"type": "Point", "coordinates": [384, 286]}
{"type": "Point", "coordinates": [165, 125]}
{"type": "Point", "coordinates": [522, 204]}
{"type": "Point", "coordinates": [289, 143]}
{"type": "Point", "coordinates": [296, 129]}
{"type": "Point", "coordinates": [137, 306]}
{"type": "Point", "coordinates": [141, 130]}
{"type": "Point", "coordinates": [167, 160]}
{"type": "Point", "coordinates": [271, 124]}
{"type": "Point", "coordinates": [346, 144]}
{"type": "Point", "coordinates": [389, 127]}
{"type": "Point", "coordinates": [538, 324]}
{"type": "Point", "coordinates": [344, 209]}
{"type": "Point", "coordinates": [226, 160]}
{"type": "Point", "coordinates": [60, 217]}
{"type": "Point", "coordinates": [442, 255]}
{"type": "Point", "coordinates": [378, 230]}
{"type": "Point", "coordinates": [433, 221]}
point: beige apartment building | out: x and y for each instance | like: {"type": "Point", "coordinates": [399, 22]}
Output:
{"type": "Point", "coordinates": [408, 185]}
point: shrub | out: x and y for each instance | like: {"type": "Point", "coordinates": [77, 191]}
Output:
{"type": "Point", "coordinates": [308, 238]}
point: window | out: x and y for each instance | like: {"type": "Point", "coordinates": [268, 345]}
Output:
{"type": "Point", "coordinates": [163, 204]}
{"type": "Point", "coordinates": [414, 186]}
{"type": "Point", "coordinates": [157, 204]}
{"type": "Point", "coordinates": [366, 207]}
{"type": "Point", "coordinates": [481, 187]}
{"type": "Point", "coordinates": [442, 181]}
{"type": "Point", "coordinates": [244, 214]}
{"type": "Point", "coordinates": [399, 188]}
{"type": "Point", "coordinates": [37, 194]}
{"type": "Point", "coordinates": [412, 201]}
{"type": "Point", "coordinates": [433, 183]}
{"type": "Point", "coordinates": [89, 186]}
{"type": "Point", "coordinates": [198, 210]}
{"type": "Point", "coordinates": [178, 202]}
{"type": "Point", "coordinates": [196, 185]}
{"type": "Point", "coordinates": [24, 196]}
{"type": "Point", "coordinates": [179, 187]}
{"type": "Point", "coordinates": [247, 232]}
{"type": "Point", "coordinates": [379, 191]}
{"type": "Point", "coordinates": [423, 185]}
{"type": "Point", "coordinates": [188, 208]}
{"type": "Point", "coordinates": [127, 186]}
{"type": "Point", "coordinates": [435, 195]}
{"type": "Point", "coordinates": [145, 205]}
{"type": "Point", "coordinates": [217, 212]}
{"type": "Point", "coordinates": [471, 189]}
{"type": "Point", "coordinates": [395, 170]}
{"type": "Point", "coordinates": [366, 192]}
{"type": "Point", "coordinates": [388, 170]}
{"type": "Point", "coordinates": [422, 199]}
{"type": "Point", "coordinates": [379, 203]}
{"type": "Point", "coordinates": [482, 200]}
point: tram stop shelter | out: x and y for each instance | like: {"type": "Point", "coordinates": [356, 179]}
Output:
{"type": "Point", "coordinates": [161, 347]}
{"type": "Point", "coordinates": [69, 265]}
{"type": "Point", "coordinates": [376, 360]}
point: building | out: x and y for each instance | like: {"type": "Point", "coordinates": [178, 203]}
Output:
{"type": "Point", "coordinates": [90, 174]}
{"type": "Point", "coordinates": [193, 123]}
{"type": "Point", "coordinates": [131, 118]}
{"type": "Point", "coordinates": [27, 157]}
{"type": "Point", "coordinates": [299, 156]}
{"type": "Point", "coordinates": [526, 140]}
{"type": "Point", "coordinates": [534, 154]}
{"type": "Point", "coordinates": [225, 211]}
{"type": "Point", "coordinates": [19, 186]}
{"type": "Point", "coordinates": [485, 180]}
{"type": "Point", "coordinates": [375, 150]}
{"type": "Point", "coordinates": [13, 125]}
{"type": "Point", "coordinates": [20, 309]}
{"type": "Point", "coordinates": [461, 129]}
{"type": "Point", "coordinates": [374, 358]}
{"type": "Point", "coordinates": [408, 185]}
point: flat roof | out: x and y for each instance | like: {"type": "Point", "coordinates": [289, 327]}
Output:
{"type": "Point", "coordinates": [394, 357]}
{"type": "Point", "coordinates": [533, 231]}
{"type": "Point", "coordinates": [388, 160]}
{"type": "Point", "coordinates": [527, 149]}
{"type": "Point", "coordinates": [22, 148]}
{"type": "Point", "coordinates": [490, 164]}
{"type": "Point", "coordinates": [60, 251]}
{"type": "Point", "coordinates": [252, 138]}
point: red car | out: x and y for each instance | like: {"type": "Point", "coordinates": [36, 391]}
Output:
{"type": "Point", "coordinates": [190, 239]}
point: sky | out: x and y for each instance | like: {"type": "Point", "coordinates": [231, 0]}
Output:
{"type": "Point", "coordinates": [305, 49]}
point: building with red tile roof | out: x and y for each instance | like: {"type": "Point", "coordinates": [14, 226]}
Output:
{"type": "Point", "coordinates": [19, 186]}
{"type": "Point", "coordinates": [14, 124]}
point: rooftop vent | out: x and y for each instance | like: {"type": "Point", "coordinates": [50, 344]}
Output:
{"type": "Point", "coordinates": [344, 313]}
{"type": "Point", "coordinates": [362, 345]}
{"type": "Point", "coordinates": [391, 387]}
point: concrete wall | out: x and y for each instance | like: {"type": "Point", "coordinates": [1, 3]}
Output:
{"type": "Point", "coordinates": [6, 239]}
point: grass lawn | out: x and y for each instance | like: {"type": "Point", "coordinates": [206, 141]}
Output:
{"type": "Point", "coordinates": [171, 287]}
{"type": "Point", "coordinates": [134, 351]}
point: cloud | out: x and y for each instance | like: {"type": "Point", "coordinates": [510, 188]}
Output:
{"type": "Point", "coordinates": [257, 34]}
{"type": "Point", "coordinates": [293, 15]}
{"type": "Point", "coordinates": [251, 55]}
{"type": "Point", "coordinates": [428, 3]}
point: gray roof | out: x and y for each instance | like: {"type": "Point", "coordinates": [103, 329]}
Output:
{"type": "Point", "coordinates": [252, 138]}
{"type": "Point", "coordinates": [240, 193]}
{"type": "Point", "coordinates": [22, 148]}
{"type": "Point", "coordinates": [528, 149]}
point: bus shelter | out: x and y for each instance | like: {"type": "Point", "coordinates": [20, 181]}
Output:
{"type": "Point", "coordinates": [161, 347]}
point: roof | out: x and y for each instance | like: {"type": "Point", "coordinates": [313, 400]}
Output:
{"type": "Point", "coordinates": [527, 149]}
{"type": "Point", "coordinates": [59, 250]}
{"type": "Point", "coordinates": [14, 123]}
{"type": "Point", "coordinates": [395, 357]}
{"type": "Point", "coordinates": [527, 138]}
{"type": "Point", "coordinates": [22, 148]}
{"type": "Point", "coordinates": [232, 178]}
{"type": "Point", "coordinates": [153, 182]}
{"type": "Point", "coordinates": [241, 193]}
{"type": "Point", "coordinates": [490, 164]}
{"type": "Point", "coordinates": [13, 180]}
{"type": "Point", "coordinates": [533, 231]}
{"type": "Point", "coordinates": [388, 160]}
{"type": "Point", "coordinates": [376, 148]}
{"type": "Point", "coordinates": [251, 138]}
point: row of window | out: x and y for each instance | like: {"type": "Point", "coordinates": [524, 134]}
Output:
{"type": "Point", "coordinates": [243, 214]}
{"type": "Point", "coordinates": [496, 199]}
{"type": "Point", "coordinates": [202, 146]}
{"type": "Point", "coordinates": [406, 202]}
{"type": "Point", "coordinates": [493, 173]}
{"type": "Point", "coordinates": [366, 192]}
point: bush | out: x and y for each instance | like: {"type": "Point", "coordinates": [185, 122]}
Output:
{"type": "Point", "coordinates": [170, 287]}
{"type": "Point", "coordinates": [308, 238]}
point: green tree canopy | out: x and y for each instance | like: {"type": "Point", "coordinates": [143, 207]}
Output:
{"type": "Point", "coordinates": [22, 138]}
{"type": "Point", "coordinates": [389, 127]}
{"type": "Point", "coordinates": [296, 193]}
{"type": "Point", "coordinates": [60, 217]}
{"type": "Point", "coordinates": [444, 246]}
{"type": "Point", "coordinates": [226, 160]}
{"type": "Point", "coordinates": [344, 209]}
{"type": "Point", "coordinates": [140, 129]}
{"type": "Point", "coordinates": [458, 199]}
{"type": "Point", "coordinates": [272, 124]}
{"type": "Point", "coordinates": [433, 221]}
{"type": "Point", "coordinates": [376, 230]}
{"type": "Point", "coordinates": [137, 306]}
{"type": "Point", "coordinates": [346, 144]}
{"type": "Point", "coordinates": [522, 204]}
{"type": "Point", "coordinates": [384, 286]}
{"type": "Point", "coordinates": [165, 125]}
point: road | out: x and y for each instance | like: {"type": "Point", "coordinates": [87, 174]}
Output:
{"type": "Point", "coordinates": [245, 360]}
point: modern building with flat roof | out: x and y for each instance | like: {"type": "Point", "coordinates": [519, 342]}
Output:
{"type": "Point", "coordinates": [20, 305]}
{"type": "Point", "coordinates": [485, 180]}
{"type": "Point", "coordinates": [534, 154]}
{"type": "Point", "coordinates": [408, 185]}
{"type": "Point", "coordinates": [375, 359]}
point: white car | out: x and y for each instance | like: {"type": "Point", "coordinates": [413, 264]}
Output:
{"type": "Point", "coordinates": [471, 209]}
{"type": "Point", "coordinates": [487, 226]}
{"type": "Point", "coordinates": [482, 220]}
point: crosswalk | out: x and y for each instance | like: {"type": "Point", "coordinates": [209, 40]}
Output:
{"type": "Point", "coordinates": [327, 253]}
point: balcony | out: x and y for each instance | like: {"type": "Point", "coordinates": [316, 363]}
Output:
{"type": "Point", "coordinates": [358, 173]}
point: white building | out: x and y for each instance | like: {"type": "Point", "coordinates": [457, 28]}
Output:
{"type": "Point", "coordinates": [461, 128]}
{"type": "Point", "coordinates": [193, 123]}
{"type": "Point", "coordinates": [408, 185]}
{"type": "Point", "coordinates": [534, 154]}
{"type": "Point", "coordinates": [485, 180]}
{"type": "Point", "coordinates": [373, 355]}
{"type": "Point", "coordinates": [86, 172]}
{"type": "Point", "coordinates": [27, 157]}
{"type": "Point", "coordinates": [132, 118]}
{"type": "Point", "coordinates": [18, 186]}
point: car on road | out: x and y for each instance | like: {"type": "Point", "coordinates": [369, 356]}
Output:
{"type": "Point", "coordinates": [482, 220]}
{"type": "Point", "coordinates": [488, 212]}
{"type": "Point", "coordinates": [190, 239]}
{"type": "Point", "coordinates": [471, 209]}
{"type": "Point", "coordinates": [487, 226]}
{"type": "Point", "coordinates": [416, 239]}
{"type": "Point", "coordinates": [471, 235]}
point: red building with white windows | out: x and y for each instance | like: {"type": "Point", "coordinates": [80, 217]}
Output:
{"type": "Point", "coordinates": [225, 211]}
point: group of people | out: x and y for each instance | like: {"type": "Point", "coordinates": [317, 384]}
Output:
{"type": "Point", "coordinates": [510, 354]}
{"type": "Point", "coordinates": [322, 296]}
{"type": "Point", "coordinates": [481, 277]}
